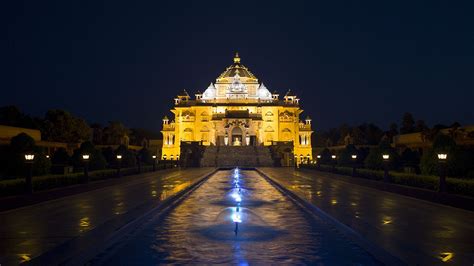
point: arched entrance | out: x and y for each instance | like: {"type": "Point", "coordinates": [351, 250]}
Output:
{"type": "Point", "coordinates": [237, 135]}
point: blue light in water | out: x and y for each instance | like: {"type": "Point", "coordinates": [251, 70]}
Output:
{"type": "Point", "coordinates": [236, 197]}
{"type": "Point", "coordinates": [236, 217]}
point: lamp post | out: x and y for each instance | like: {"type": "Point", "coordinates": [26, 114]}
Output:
{"type": "Point", "coordinates": [85, 158]}
{"type": "Point", "coordinates": [318, 161]}
{"type": "Point", "coordinates": [442, 157]}
{"type": "Point", "coordinates": [164, 159]}
{"type": "Point", "coordinates": [119, 164]}
{"type": "Point", "coordinates": [386, 159]}
{"type": "Point", "coordinates": [354, 164]}
{"type": "Point", "coordinates": [333, 157]}
{"type": "Point", "coordinates": [301, 159]}
{"type": "Point", "coordinates": [154, 162]}
{"type": "Point", "coordinates": [29, 158]}
{"type": "Point", "coordinates": [296, 161]}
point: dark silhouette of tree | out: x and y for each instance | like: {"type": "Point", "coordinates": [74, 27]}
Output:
{"type": "Point", "coordinates": [12, 116]}
{"type": "Point", "coordinates": [420, 126]}
{"type": "Point", "coordinates": [345, 156]}
{"type": "Point", "coordinates": [19, 145]}
{"type": "Point", "coordinates": [61, 126]}
{"type": "Point", "coordinates": [374, 159]}
{"type": "Point", "coordinates": [60, 157]}
{"type": "Point", "coordinates": [408, 123]}
{"type": "Point", "coordinates": [114, 133]}
{"type": "Point", "coordinates": [96, 161]}
{"type": "Point", "coordinates": [393, 129]}
{"type": "Point", "coordinates": [139, 135]}
{"type": "Point", "coordinates": [97, 134]}
{"type": "Point", "coordinates": [129, 158]}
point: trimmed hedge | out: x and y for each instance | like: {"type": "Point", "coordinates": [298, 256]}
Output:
{"type": "Point", "coordinates": [17, 186]}
{"type": "Point", "coordinates": [453, 185]}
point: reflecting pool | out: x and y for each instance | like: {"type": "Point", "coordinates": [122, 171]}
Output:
{"type": "Point", "coordinates": [236, 217]}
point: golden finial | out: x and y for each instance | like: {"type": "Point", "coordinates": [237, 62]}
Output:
{"type": "Point", "coordinates": [237, 58]}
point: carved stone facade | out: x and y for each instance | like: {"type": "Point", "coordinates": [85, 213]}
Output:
{"type": "Point", "coordinates": [237, 111]}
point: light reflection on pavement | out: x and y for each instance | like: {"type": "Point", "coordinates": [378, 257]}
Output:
{"type": "Point", "coordinates": [30, 231]}
{"type": "Point", "coordinates": [416, 231]}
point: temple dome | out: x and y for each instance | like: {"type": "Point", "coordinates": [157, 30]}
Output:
{"type": "Point", "coordinates": [263, 93]}
{"type": "Point", "coordinates": [239, 69]}
{"type": "Point", "coordinates": [210, 92]}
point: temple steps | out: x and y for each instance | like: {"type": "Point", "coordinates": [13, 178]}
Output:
{"type": "Point", "coordinates": [230, 156]}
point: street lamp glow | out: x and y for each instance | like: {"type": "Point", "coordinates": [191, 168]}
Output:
{"type": "Point", "coordinates": [386, 157]}
{"type": "Point", "coordinates": [354, 156]}
{"type": "Point", "coordinates": [442, 156]}
{"type": "Point", "coordinates": [333, 156]}
{"type": "Point", "coordinates": [154, 156]}
{"type": "Point", "coordinates": [85, 157]}
{"type": "Point", "coordinates": [29, 157]}
{"type": "Point", "coordinates": [318, 156]}
{"type": "Point", "coordinates": [119, 157]}
{"type": "Point", "coordinates": [47, 156]}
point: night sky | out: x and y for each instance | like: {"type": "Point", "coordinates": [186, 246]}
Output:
{"type": "Point", "coordinates": [348, 61]}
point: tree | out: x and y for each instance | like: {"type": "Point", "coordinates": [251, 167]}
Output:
{"type": "Point", "coordinates": [358, 136]}
{"type": "Point", "coordinates": [408, 123]}
{"type": "Point", "coordinates": [420, 126]}
{"type": "Point", "coordinates": [97, 134]}
{"type": "Point", "coordinates": [458, 163]}
{"type": "Point", "coordinates": [19, 145]}
{"type": "Point", "coordinates": [374, 159]}
{"type": "Point", "coordinates": [96, 159]}
{"type": "Point", "coordinates": [12, 116]}
{"type": "Point", "coordinates": [393, 129]}
{"type": "Point", "coordinates": [410, 158]}
{"type": "Point", "coordinates": [129, 158]}
{"type": "Point", "coordinates": [61, 126]}
{"type": "Point", "coordinates": [114, 133]}
{"type": "Point", "coordinates": [345, 157]}
{"type": "Point", "coordinates": [138, 135]}
{"type": "Point", "coordinates": [145, 156]}
{"type": "Point", "coordinates": [344, 130]}
{"type": "Point", "coordinates": [325, 156]}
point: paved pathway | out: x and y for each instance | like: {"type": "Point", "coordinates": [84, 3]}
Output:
{"type": "Point", "coordinates": [416, 231]}
{"type": "Point", "coordinates": [30, 231]}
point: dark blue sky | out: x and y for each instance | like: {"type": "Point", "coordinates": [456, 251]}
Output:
{"type": "Point", "coordinates": [349, 61]}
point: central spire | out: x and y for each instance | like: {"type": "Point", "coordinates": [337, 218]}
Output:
{"type": "Point", "coordinates": [237, 58]}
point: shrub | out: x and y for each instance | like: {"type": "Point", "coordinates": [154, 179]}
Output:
{"type": "Point", "coordinates": [454, 185]}
{"type": "Point", "coordinates": [60, 157]}
{"type": "Point", "coordinates": [345, 157]}
{"type": "Point", "coordinates": [374, 158]}
{"type": "Point", "coordinates": [129, 158]}
{"type": "Point", "coordinates": [17, 185]}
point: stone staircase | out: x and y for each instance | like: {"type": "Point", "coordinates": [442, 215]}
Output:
{"type": "Point", "coordinates": [230, 156]}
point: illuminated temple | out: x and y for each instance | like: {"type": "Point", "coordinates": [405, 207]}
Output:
{"type": "Point", "coordinates": [237, 111]}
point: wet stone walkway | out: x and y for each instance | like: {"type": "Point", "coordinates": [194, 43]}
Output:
{"type": "Point", "coordinates": [236, 217]}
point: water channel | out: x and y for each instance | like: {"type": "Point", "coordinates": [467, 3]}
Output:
{"type": "Point", "coordinates": [237, 217]}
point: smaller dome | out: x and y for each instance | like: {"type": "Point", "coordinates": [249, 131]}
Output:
{"type": "Point", "coordinates": [263, 93]}
{"type": "Point", "coordinates": [210, 92]}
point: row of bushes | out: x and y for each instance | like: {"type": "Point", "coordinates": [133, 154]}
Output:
{"type": "Point", "coordinates": [12, 161]}
{"type": "Point", "coordinates": [460, 161]}
{"type": "Point", "coordinates": [453, 185]}
{"type": "Point", "coordinates": [17, 186]}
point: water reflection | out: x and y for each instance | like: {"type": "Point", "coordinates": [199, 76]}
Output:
{"type": "Point", "coordinates": [223, 223]}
